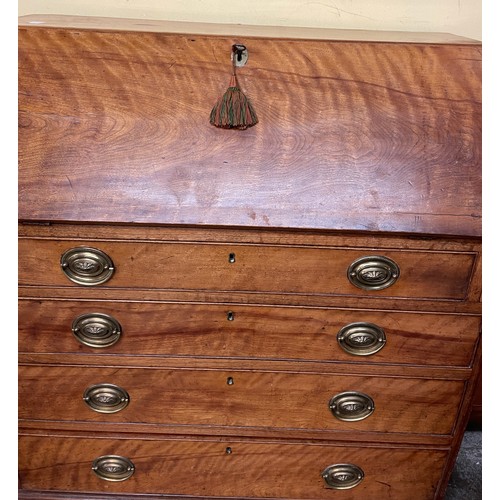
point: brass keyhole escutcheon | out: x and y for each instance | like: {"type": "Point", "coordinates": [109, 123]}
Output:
{"type": "Point", "coordinates": [239, 55]}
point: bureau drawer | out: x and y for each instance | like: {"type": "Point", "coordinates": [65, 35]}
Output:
{"type": "Point", "coordinates": [244, 399]}
{"type": "Point", "coordinates": [228, 468]}
{"type": "Point", "coordinates": [247, 268]}
{"type": "Point", "coordinates": [245, 331]}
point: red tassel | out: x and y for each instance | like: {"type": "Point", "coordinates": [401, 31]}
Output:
{"type": "Point", "coordinates": [233, 109]}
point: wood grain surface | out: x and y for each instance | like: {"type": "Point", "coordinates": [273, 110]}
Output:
{"type": "Point", "coordinates": [204, 468]}
{"type": "Point", "coordinates": [113, 127]}
{"type": "Point", "coordinates": [281, 269]}
{"type": "Point", "coordinates": [363, 148]}
{"type": "Point", "coordinates": [166, 26]}
{"type": "Point", "coordinates": [259, 399]}
{"type": "Point", "coordinates": [187, 329]}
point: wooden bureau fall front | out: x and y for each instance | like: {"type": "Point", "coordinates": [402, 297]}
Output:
{"type": "Point", "coordinates": [289, 311]}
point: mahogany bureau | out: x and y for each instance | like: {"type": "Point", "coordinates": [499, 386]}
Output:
{"type": "Point", "coordinates": [289, 311]}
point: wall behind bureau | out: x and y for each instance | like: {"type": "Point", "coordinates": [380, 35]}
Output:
{"type": "Point", "coordinates": [460, 17]}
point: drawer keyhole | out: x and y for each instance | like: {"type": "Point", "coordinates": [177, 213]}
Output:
{"type": "Point", "coordinates": [232, 258]}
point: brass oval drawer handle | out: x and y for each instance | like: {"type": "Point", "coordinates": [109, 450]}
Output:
{"type": "Point", "coordinates": [87, 266]}
{"type": "Point", "coordinates": [373, 272]}
{"type": "Point", "coordinates": [113, 468]}
{"type": "Point", "coordinates": [342, 476]}
{"type": "Point", "coordinates": [352, 406]}
{"type": "Point", "coordinates": [361, 338]}
{"type": "Point", "coordinates": [96, 330]}
{"type": "Point", "coordinates": [106, 398]}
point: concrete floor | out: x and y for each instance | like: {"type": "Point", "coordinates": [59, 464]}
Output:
{"type": "Point", "coordinates": [466, 479]}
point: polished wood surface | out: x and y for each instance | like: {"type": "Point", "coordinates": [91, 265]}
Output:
{"type": "Point", "coordinates": [429, 275]}
{"type": "Point", "coordinates": [166, 26]}
{"type": "Point", "coordinates": [363, 148]}
{"type": "Point", "coordinates": [260, 399]}
{"type": "Point", "coordinates": [260, 332]}
{"type": "Point", "coordinates": [360, 136]}
{"type": "Point", "coordinates": [204, 468]}
{"type": "Point", "coordinates": [49, 237]}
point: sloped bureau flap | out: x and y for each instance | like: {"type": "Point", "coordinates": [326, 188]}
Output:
{"type": "Point", "coordinates": [371, 136]}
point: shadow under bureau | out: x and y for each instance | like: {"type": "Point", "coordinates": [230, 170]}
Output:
{"type": "Point", "coordinates": [291, 311]}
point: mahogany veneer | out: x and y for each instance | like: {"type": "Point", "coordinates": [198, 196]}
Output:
{"type": "Point", "coordinates": [292, 311]}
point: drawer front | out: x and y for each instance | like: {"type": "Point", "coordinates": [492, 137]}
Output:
{"type": "Point", "coordinates": [250, 268]}
{"type": "Point", "coordinates": [225, 468]}
{"type": "Point", "coordinates": [279, 400]}
{"type": "Point", "coordinates": [244, 331]}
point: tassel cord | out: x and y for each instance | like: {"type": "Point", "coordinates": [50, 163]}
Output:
{"type": "Point", "coordinates": [233, 109]}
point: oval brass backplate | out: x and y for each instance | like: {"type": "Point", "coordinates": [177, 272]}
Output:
{"type": "Point", "coordinates": [96, 330]}
{"type": "Point", "coordinates": [106, 398]}
{"type": "Point", "coordinates": [361, 338]}
{"type": "Point", "coordinates": [373, 272]}
{"type": "Point", "coordinates": [113, 468]}
{"type": "Point", "coordinates": [351, 406]}
{"type": "Point", "coordinates": [87, 266]}
{"type": "Point", "coordinates": [342, 476]}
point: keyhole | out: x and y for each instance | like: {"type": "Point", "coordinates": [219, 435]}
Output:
{"type": "Point", "coordinates": [239, 54]}
{"type": "Point", "coordinates": [230, 381]}
{"type": "Point", "coordinates": [232, 258]}
{"type": "Point", "coordinates": [230, 316]}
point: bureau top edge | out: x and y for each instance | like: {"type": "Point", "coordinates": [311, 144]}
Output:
{"type": "Point", "coordinates": [225, 29]}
